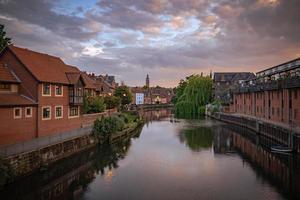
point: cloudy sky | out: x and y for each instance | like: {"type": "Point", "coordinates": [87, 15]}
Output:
{"type": "Point", "coordinates": [169, 39]}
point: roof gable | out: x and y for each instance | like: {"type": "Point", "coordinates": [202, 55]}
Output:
{"type": "Point", "coordinates": [6, 75]}
{"type": "Point", "coordinates": [44, 67]}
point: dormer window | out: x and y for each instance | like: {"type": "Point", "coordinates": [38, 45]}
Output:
{"type": "Point", "coordinates": [46, 89]}
{"type": "Point", "coordinates": [58, 90]}
{"type": "Point", "coordinates": [4, 87]}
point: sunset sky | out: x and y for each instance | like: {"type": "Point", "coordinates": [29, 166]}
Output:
{"type": "Point", "coordinates": [168, 39]}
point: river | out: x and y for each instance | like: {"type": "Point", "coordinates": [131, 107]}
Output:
{"type": "Point", "coordinates": [169, 158]}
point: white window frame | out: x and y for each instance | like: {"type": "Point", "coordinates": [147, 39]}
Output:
{"type": "Point", "coordinates": [62, 90]}
{"type": "Point", "coordinates": [46, 95]}
{"type": "Point", "coordinates": [62, 112]}
{"type": "Point", "coordinates": [17, 117]}
{"type": "Point", "coordinates": [43, 113]}
{"type": "Point", "coordinates": [27, 116]}
{"type": "Point", "coordinates": [76, 116]}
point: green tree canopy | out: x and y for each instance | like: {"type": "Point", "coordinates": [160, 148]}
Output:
{"type": "Point", "coordinates": [124, 94]}
{"type": "Point", "coordinates": [196, 94]}
{"type": "Point", "coordinates": [112, 102]}
{"type": "Point", "coordinates": [4, 41]}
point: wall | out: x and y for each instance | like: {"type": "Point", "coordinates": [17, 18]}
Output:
{"type": "Point", "coordinates": [53, 126]}
{"type": "Point", "coordinates": [280, 106]}
{"type": "Point", "coordinates": [16, 130]}
{"type": "Point", "coordinates": [30, 161]}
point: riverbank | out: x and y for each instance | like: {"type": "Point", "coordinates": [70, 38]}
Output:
{"type": "Point", "coordinates": [22, 164]}
{"type": "Point", "coordinates": [282, 134]}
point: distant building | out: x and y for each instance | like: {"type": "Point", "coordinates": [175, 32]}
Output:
{"type": "Point", "coordinates": [104, 85]}
{"type": "Point", "coordinates": [152, 95]}
{"type": "Point", "coordinates": [147, 81]}
{"type": "Point", "coordinates": [224, 82]}
{"type": "Point", "coordinates": [139, 98]}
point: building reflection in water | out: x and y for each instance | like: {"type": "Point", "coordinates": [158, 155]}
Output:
{"type": "Point", "coordinates": [282, 171]}
{"type": "Point", "coordinates": [69, 178]}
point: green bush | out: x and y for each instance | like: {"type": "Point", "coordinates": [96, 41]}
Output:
{"type": "Point", "coordinates": [112, 102]}
{"type": "Point", "coordinates": [116, 122]}
{"type": "Point", "coordinates": [93, 104]}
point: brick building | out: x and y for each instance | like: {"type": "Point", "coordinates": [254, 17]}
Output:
{"type": "Point", "coordinates": [224, 82]}
{"type": "Point", "coordinates": [39, 95]}
{"type": "Point", "coordinates": [274, 94]}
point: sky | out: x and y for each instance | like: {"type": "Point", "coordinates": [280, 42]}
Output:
{"type": "Point", "coordinates": [167, 39]}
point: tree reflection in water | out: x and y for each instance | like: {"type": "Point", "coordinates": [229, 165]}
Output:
{"type": "Point", "coordinates": [198, 138]}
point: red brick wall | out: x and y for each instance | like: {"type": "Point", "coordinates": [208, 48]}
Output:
{"type": "Point", "coordinates": [28, 82]}
{"type": "Point", "coordinates": [272, 105]}
{"type": "Point", "coordinates": [16, 130]}
{"type": "Point", "coordinates": [53, 126]}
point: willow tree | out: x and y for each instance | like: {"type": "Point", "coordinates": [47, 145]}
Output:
{"type": "Point", "coordinates": [196, 95]}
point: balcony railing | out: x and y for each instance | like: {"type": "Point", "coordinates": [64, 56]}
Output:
{"type": "Point", "coordinates": [292, 82]}
{"type": "Point", "coordinates": [76, 100]}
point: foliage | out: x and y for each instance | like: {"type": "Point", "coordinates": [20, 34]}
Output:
{"type": "Point", "coordinates": [4, 41]}
{"type": "Point", "coordinates": [179, 89]}
{"type": "Point", "coordinates": [6, 173]}
{"type": "Point", "coordinates": [124, 94]}
{"type": "Point", "coordinates": [198, 138]}
{"type": "Point", "coordinates": [196, 94]}
{"type": "Point", "coordinates": [116, 122]}
{"type": "Point", "coordinates": [93, 104]}
{"type": "Point", "coordinates": [112, 102]}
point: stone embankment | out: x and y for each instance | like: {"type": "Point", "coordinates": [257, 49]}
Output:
{"type": "Point", "coordinates": [281, 133]}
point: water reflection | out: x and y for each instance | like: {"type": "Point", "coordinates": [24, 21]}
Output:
{"type": "Point", "coordinates": [197, 138]}
{"type": "Point", "coordinates": [170, 159]}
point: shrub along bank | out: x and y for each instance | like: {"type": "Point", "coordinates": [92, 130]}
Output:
{"type": "Point", "coordinates": [117, 122]}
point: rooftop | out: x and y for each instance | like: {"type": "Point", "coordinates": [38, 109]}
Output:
{"type": "Point", "coordinates": [6, 75]}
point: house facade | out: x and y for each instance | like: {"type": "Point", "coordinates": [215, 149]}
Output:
{"type": "Point", "coordinates": [48, 95]}
{"type": "Point", "coordinates": [224, 82]}
{"type": "Point", "coordinates": [274, 94]}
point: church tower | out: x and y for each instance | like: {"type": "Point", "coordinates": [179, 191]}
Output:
{"type": "Point", "coordinates": [147, 81]}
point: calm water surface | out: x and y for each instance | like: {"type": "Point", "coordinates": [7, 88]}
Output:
{"type": "Point", "coordinates": [170, 159]}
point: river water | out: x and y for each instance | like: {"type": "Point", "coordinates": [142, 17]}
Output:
{"type": "Point", "coordinates": [170, 158]}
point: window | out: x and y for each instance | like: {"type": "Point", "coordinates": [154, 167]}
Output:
{"type": "Point", "coordinates": [46, 113]}
{"type": "Point", "coordinates": [17, 113]}
{"type": "Point", "coordinates": [73, 111]}
{"type": "Point", "coordinates": [58, 112]}
{"type": "Point", "coordinates": [46, 89]}
{"type": "Point", "coordinates": [28, 112]}
{"type": "Point", "coordinates": [4, 87]}
{"type": "Point", "coordinates": [295, 114]}
{"type": "Point", "coordinates": [58, 90]}
{"type": "Point", "coordinates": [296, 94]}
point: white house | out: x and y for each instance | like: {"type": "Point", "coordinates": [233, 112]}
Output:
{"type": "Point", "coordinates": [139, 98]}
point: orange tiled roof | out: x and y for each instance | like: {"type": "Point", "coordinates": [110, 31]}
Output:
{"type": "Point", "coordinates": [44, 67]}
{"type": "Point", "coordinates": [6, 75]}
{"type": "Point", "coordinates": [89, 83]}
{"type": "Point", "coordinates": [15, 100]}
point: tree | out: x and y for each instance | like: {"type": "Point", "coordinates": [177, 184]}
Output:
{"type": "Point", "coordinates": [124, 94]}
{"type": "Point", "coordinates": [4, 41]}
{"type": "Point", "coordinates": [112, 102]}
{"type": "Point", "coordinates": [180, 88]}
{"type": "Point", "coordinates": [93, 104]}
{"type": "Point", "coordinates": [197, 93]}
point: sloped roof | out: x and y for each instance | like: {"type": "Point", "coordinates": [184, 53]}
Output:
{"type": "Point", "coordinates": [47, 68]}
{"type": "Point", "coordinates": [43, 67]}
{"type": "Point", "coordinates": [233, 76]}
{"type": "Point", "coordinates": [89, 83]}
{"type": "Point", "coordinates": [6, 75]}
{"type": "Point", "coordinates": [15, 100]}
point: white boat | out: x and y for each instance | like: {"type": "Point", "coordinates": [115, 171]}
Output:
{"type": "Point", "coordinates": [282, 149]}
